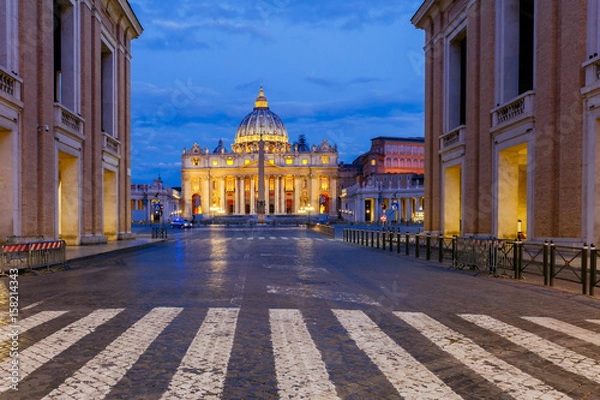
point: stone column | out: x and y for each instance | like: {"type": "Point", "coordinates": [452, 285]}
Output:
{"type": "Point", "coordinates": [277, 195]}
{"type": "Point", "coordinates": [252, 202]}
{"type": "Point", "coordinates": [261, 180]}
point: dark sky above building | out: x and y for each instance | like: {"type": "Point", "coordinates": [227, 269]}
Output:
{"type": "Point", "coordinates": [341, 70]}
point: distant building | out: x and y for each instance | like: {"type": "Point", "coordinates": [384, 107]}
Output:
{"type": "Point", "coordinates": [388, 182]}
{"type": "Point", "coordinates": [147, 200]}
{"type": "Point", "coordinates": [65, 119]}
{"type": "Point", "coordinates": [299, 177]}
{"type": "Point", "coordinates": [512, 89]}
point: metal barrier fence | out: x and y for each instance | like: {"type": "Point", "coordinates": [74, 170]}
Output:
{"type": "Point", "coordinates": [508, 258]}
{"type": "Point", "coordinates": [29, 256]}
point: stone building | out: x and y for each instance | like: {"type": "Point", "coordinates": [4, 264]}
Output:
{"type": "Point", "coordinates": [64, 106]}
{"type": "Point", "coordinates": [146, 199]}
{"type": "Point", "coordinates": [388, 182]}
{"type": "Point", "coordinates": [511, 118]}
{"type": "Point", "coordinates": [64, 118]}
{"type": "Point", "coordinates": [299, 178]}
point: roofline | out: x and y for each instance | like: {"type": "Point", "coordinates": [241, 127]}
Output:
{"type": "Point", "coordinates": [400, 139]}
{"type": "Point", "coordinates": [133, 19]}
{"type": "Point", "coordinates": [422, 12]}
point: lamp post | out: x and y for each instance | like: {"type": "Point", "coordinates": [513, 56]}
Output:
{"type": "Point", "coordinates": [308, 208]}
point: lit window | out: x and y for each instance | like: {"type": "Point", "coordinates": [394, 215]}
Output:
{"type": "Point", "coordinates": [195, 161]}
{"type": "Point", "coordinates": [246, 162]}
{"type": "Point", "coordinates": [196, 184]}
{"type": "Point", "coordinates": [324, 159]}
{"type": "Point", "coordinates": [214, 163]}
{"type": "Point", "coordinates": [373, 162]}
{"type": "Point", "coordinates": [230, 184]}
{"type": "Point", "coordinates": [272, 161]}
{"type": "Point", "coordinates": [229, 160]}
{"type": "Point", "coordinates": [305, 161]}
{"type": "Point", "coordinates": [271, 184]}
{"type": "Point", "coordinates": [324, 183]}
{"type": "Point", "coordinates": [289, 160]}
{"type": "Point", "coordinates": [289, 184]}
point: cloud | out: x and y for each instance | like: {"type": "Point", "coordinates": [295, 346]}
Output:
{"type": "Point", "coordinates": [336, 84]}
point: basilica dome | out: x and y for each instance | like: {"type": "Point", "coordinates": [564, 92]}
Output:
{"type": "Point", "coordinates": [261, 121]}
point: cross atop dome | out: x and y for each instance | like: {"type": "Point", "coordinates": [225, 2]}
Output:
{"type": "Point", "coordinates": [261, 100]}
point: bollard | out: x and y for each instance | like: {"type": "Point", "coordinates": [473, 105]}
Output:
{"type": "Point", "coordinates": [519, 259]}
{"type": "Point", "coordinates": [454, 255]}
{"type": "Point", "coordinates": [552, 262]}
{"type": "Point", "coordinates": [428, 247]}
{"type": "Point", "coordinates": [593, 257]}
{"type": "Point", "coordinates": [378, 238]}
{"type": "Point", "coordinates": [545, 265]}
{"type": "Point", "coordinates": [398, 235]}
{"type": "Point", "coordinates": [584, 268]}
{"type": "Point", "coordinates": [391, 240]}
{"type": "Point", "coordinates": [417, 245]}
{"type": "Point", "coordinates": [372, 238]}
{"type": "Point", "coordinates": [362, 237]}
{"type": "Point", "coordinates": [383, 239]}
{"type": "Point", "coordinates": [441, 248]}
{"type": "Point", "coordinates": [407, 237]}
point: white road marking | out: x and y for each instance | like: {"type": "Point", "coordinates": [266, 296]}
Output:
{"type": "Point", "coordinates": [285, 238]}
{"type": "Point", "coordinates": [45, 350]}
{"type": "Point", "coordinates": [201, 374]}
{"type": "Point", "coordinates": [30, 322]}
{"type": "Point", "coordinates": [301, 372]}
{"type": "Point", "coordinates": [261, 238]}
{"type": "Point", "coordinates": [238, 238]}
{"type": "Point", "coordinates": [567, 329]}
{"type": "Point", "coordinates": [250, 238]}
{"type": "Point", "coordinates": [410, 378]}
{"type": "Point", "coordinates": [95, 379]}
{"type": "Point", "coordinates": [272, 237]}
{"type": "Point", "coordinates": [556, 354]}
{"type": "Point", "coordinates": [513, 381]}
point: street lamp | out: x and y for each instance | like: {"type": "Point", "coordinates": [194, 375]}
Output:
{"type": "Point", "coordinates": [308, 208]}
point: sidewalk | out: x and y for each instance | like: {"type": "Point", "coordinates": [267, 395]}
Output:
{"type": "Point", "coordinates": [79, 252]}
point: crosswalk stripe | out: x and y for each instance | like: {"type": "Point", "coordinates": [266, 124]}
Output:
{"type": "Point", "coordinates": [45, 350]}
{"type": "Point", "coordinates": [250, 238]}
{"type": "Point", "coordinates": [272, 238]}
{"type": "Point", "coordinates": [29, 323]}
{"type": "Point", "coordinates": [320, 240]}
{"type": "Point", "coordinates": [556, 354]}
{"type": "Point", "coordinates": [238, 238]}
{"type": "Point", "coordinates": [515, 382]}
{"type": "Point", "coordinates": [261, 238]}
{"type": "Point", "coordinates": [285, 238]}
{"type": "Point", "coordinates": [95, 379]}
{"type": "Point", "coordinates": [567, 329]}
{"type": "Point", "coordinates": [410, 378]}
{"type": "Point", "coordinates": [300, 370]}
{"type": "Point", "coordinates": [202, 371]}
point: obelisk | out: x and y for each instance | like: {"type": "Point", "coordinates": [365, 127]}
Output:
{"type": "Point", "coordinates": [261, 180]}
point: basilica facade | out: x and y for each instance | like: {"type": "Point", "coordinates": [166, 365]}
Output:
{"type": "Point", "coordinates": [299, 179]}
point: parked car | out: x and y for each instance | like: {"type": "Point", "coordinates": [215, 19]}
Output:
{"type": "Point", "coordinates": [180, 223]}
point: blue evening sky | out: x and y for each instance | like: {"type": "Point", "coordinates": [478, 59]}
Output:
{"type": "Point", "coordinates": [342, 70]}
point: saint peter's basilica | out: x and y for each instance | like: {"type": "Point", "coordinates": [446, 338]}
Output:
{"type": "Point", "coordinates": [299, 178]}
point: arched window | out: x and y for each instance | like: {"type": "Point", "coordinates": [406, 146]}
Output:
{"type": "Point", "coordinates": [402, 164]}
{"type": "Point", "coordinates": [388, 162]}
{"type": "Point", "coordinates": [395, 162]}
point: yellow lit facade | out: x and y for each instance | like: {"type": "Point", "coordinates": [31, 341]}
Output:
{"type": "Point", "coordinates": [222, 182]}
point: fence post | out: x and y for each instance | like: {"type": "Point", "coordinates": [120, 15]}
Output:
{"type": "Point", "coordinates": [398, 236]}
{"type": "Point", "coordinates": [552, 261]}
{"type": "Point", "coordinates": [391, 240]}
{"type": "Point", "coordinates": [593, 257]}
{"type": "Point", "coordinates": [377, 238]}
{"type": "Point", "coordinates": [417, 245]}
{"type": "Point", "coordinates": [383, 238]}
{"type": "Point", "coordinates": [428, 247]}
{"type": "Point", "coordinates": [372, 238]}
{"type": "Point", "coordinates": [440, 248]}
{"type": "Point", "coordinates": [454, 255]}
{"type": "Point", "coordinates": [584, 268]}
{"type": "Point", "coordinates": [362, 237]}
{"type": "Point", "coordinates": [546, 262]}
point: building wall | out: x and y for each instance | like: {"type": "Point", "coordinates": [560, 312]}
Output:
{"type": "Point", "coordinates": [518, 156]}
{"type": "Point", "coordinates": [63, 170]}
